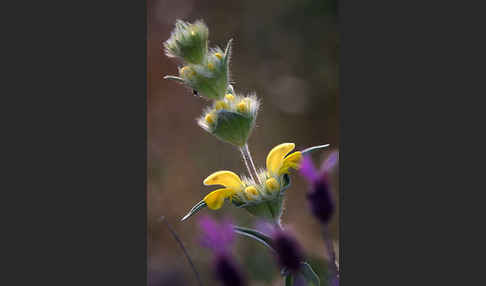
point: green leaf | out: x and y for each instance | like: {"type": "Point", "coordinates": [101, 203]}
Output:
{"type": "Point", "coordinates": [310, 149]}
{"type": "Point", "coordinates": [194, 210]}
{"type": "Point", "coordinates": [254, 234]}
{"type": "Point", "coordinates": [309, 274]}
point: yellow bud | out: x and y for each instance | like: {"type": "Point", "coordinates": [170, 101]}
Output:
{"type": "Point", "coordinates": [251, 192]}
{"type": "Point", "coordinates": [242, 106]}
{"type": "Point", "coordinates": [210, 118]}
{"type": "Point", "coordinates": [221, 105]}
{"type": "Point", "coordinates": [211, 66]}
{"type": "Point", "coordinates": [218, 55]}
{"type": "Point", "coordinates": [229, 97]}
{"type": "Point", "coordinates": [271, 184]}
{"type": "Point", "coordinates": [186, 71]}
{"type": "Point", "coordinates": [193, 32]}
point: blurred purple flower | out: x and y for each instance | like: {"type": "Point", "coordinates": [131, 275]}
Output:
{"type": "Point", "coordinates": [218, 237]}
{"type": "Point", "coordinates": [320, 197]}
{"type": "Point", "coordinates": [227, 271]}
{"type": "Point", "coordinates": [288, 251]}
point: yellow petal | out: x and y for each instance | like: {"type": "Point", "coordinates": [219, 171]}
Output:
{"type": "Point", "coordinates": [224, 178]}
{"type": "Point", "coordinates": [292, 161]}
{"type": "Point", "coordinates": [276, 156]}
{"type": "Point", "coordinates": [215, 199]}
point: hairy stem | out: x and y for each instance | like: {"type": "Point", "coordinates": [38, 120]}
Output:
{"type": "Point", "coordinates": [333, 268]}
{"type": "Point", "coordinates": [245, 153]}
{"type": "Point", "coordinates": [176, 237]}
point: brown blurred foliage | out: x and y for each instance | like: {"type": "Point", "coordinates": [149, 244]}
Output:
{"type": "Point", "coordinates": [285, 51]}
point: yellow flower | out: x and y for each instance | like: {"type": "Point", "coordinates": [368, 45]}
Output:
{"type": "Point", "coordinates": [277, 162]}
{"type": "Point", "coordinates": [263, 198]}
{"type": "Point", "coordinates": [229, 180]}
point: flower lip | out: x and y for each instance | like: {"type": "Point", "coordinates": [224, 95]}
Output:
{"type": "Point", "coordinates": [215, 199]}
{"type": "Point", "coordinates": [224, 178]}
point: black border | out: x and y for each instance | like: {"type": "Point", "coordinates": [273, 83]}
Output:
{"type": "Point", "coordinates": [79, 145]}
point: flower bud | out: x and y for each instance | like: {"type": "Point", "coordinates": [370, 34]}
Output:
{"type": "Point", "coordinates": [210, 118]}
{"type": "Point", "coordinates": [242, 106]}
{"type": "Point", "coordinates": [188, 41]}
{"type": "Point", "coordinates": [288, 251]}
{"type": "Point", "coordinates": [251, 193]}
{"type": "Point", "coordinates": [220, 104]}
{"type": "Point", "coordinates": [321, 202]}
{"type": "Point", "coordinates": [271, 184]}
{"type": "Point", "coordinates": [227, 272]}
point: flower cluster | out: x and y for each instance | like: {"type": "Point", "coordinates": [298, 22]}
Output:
{"type": "Point", "coordinates": [250, 194]}
{"type": "Point", "coordinates": [231, 117]}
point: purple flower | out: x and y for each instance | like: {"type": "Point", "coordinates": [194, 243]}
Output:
{"type": "Point", "coordinates": [288, 251]}
{"type": "Point", "coordinates": [227, 271]}
{"type": "Point", "coordinates": [320, 197]}
{"type": "Point", "coordinates": [218, 237]}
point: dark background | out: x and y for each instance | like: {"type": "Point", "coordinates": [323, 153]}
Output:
{"type": "Point", "coordinates": [285, 51]}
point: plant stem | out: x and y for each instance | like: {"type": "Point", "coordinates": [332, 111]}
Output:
{"type": "Point", "coordinates": [245, 153]}
{"type": "Point", "coordinates": [176, 237]}
{"type": "Point", "coordinates": [334, 275]}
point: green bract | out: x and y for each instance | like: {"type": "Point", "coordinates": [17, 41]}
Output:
{"type": "Point", "coordinates": [269, 208]}
{"type": "Point", "coordinates": [188, 41]}
{"type": "Point", "coordinates": [231, 120]}
{"type": "Point", "coordinates": [209, 78]}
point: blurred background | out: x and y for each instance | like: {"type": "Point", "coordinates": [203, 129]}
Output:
{"type": "Point", "coordinates": [285, 51]}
